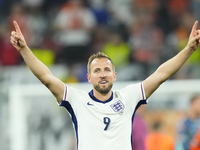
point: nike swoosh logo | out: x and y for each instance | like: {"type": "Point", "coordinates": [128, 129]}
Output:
{"type": "Point", "coordinates": [90, 104]}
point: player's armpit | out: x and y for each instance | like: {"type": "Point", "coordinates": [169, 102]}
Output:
{"type": "Point", "coordinates": [56, 86]}
{"type": "Point", "coordinates": [151, 84]}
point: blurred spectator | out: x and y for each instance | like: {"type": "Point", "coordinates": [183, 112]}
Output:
{"type": "Point", "coordinates": [195, 4]}
{"type": "Point", "coordinates": [45, 55]}
{"type": "Point", "coordinates": [100, 12]}
{"type": "Point", "coordinates": [195, 142]}
{"type": "Point", "coordinates": [100, 37]}
{"type": "Point", "coordinates": [176, 8]}
{"type": "Point", "coordinates": [31, 3]}
{"type": "Point", "coordinates": [120, 11]}
{"type": "Point", "coordinates": [49, 43]}
{"type": "Point", "coordinates": [5, 6]}
{"type": "Point", "coordinates": [192, 65]}
{"type": "Point", "coordinates": [145, 5]}
{"type": "Point", "coordinates": [157, 140]}
{"type": "Point", "coordinates": [75, 24]}
{"type": "Point", "coordinates": [49, 5]}
{"type": "Point", "coordinates": [139, 132]}
{"type": "Point", "coordinates": [19, 14]}
{"type": "Point", "coordinates": [163, 17]}
{"type": "Point", "coordinates": [1, 4]}
{"type": "Point", "coordinates": [117, 50]}
{"type": "Point", "coordinates": [8, 54]}
{"type": "Point", "coordinates": [178, 40]}
{"type": "Point", "coordinates": [75, 73]}
{"type": "Point", "coordinates": [146, 41]}
{"type": "Point", "coordinates": [71, 79]}
{"type": "Point", "coordinates": [189, 125]}
{"type": "Point", "coordinates": [38, 24]}
{"type": "Point", "coordinates": [82, 28]}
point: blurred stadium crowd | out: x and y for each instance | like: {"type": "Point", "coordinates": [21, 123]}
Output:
{"type": "Point", "coordinates": [138, 35]}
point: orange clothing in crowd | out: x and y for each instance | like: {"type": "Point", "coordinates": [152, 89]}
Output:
{"type": "Point", "coordinates": [159, 141]}
{"type": "Point", "coordinates": [195, 143]}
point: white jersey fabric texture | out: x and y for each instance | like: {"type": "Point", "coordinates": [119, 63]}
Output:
{"type": "Point", "coordinates": [103, 125]}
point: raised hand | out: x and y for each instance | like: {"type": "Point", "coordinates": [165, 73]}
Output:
{"type": "Point", "coordinates": [194, 38]}
{"type": "Point", "coordinates": [17, 38]}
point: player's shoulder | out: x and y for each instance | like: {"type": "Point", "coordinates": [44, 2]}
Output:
{"type": "Point", "coordinates": [132, 86]}
{"type": "Point", "coordinates": [73, 87]}
{"type": "Point", "coordinates": [73, 91]}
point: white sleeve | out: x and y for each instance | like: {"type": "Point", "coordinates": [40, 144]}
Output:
{"type": "Point", "coordinates": [135, 94]}
{"type": "Point", "coordinates": [71, 95]}
{"type": "Point", "coordinates": [136, 91]}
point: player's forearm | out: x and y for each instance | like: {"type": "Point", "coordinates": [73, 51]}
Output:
{"type": "Point", "coordinates": [36, 66]}
{"type": "Point", "coordinates": [170, 67]}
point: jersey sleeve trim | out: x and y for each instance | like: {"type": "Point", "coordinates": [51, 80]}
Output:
{"type": "Point", "coordinates": [65, 93]}
{"type": "Point", "coordinates": [143, 92]}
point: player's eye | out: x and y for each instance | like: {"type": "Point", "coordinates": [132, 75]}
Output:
{"type": "Point", "coordinates": [96, 70]}
{"type": "Point", "coordinates": [107, 69]}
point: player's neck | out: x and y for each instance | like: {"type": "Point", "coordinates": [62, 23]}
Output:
{"type": "Point", "coordinates": [102, 97]}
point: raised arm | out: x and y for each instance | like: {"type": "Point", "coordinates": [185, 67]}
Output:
{"type": "Point", "coordinates": [170, 67]}
{"type": "Point", "coordinates": [36, 66]}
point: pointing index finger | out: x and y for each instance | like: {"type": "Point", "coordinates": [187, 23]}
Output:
{"type": "Point", "coordinates": [17, 27]}
{"type": "Point", "coordinates": [194, 28]}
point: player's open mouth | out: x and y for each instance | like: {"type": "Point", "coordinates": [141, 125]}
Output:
{"type": "Point", "coordinates": [103, 82]}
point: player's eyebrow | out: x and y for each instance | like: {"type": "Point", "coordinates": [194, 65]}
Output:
{"type": "Point", "coordinates": [108, 68]}
{"type": "Point", "coordinates": [96, 69]}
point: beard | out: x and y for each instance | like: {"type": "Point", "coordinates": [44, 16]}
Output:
{"type": "Point", "coordinates": [103, 91]}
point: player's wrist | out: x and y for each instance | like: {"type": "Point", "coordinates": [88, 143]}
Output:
{"type": "Point", "coordinates": [24, 49]}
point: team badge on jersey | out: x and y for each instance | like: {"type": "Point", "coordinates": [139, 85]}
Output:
{"type": "Point", "coordinates": [117, 106]}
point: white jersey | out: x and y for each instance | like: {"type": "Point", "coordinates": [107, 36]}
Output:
{"type": "Point", "coordinates": [103, 125]}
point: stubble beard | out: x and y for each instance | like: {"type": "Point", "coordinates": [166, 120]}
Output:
{"type": "Point", "coordinates": [103, 91]}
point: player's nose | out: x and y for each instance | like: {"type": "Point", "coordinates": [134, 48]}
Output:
{"type": "Point", "coordinates": [103, 74]}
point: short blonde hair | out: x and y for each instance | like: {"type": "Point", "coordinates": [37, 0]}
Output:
{"type": "Point", "coordinates": [98, 55]}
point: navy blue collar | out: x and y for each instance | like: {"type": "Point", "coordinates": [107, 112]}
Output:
{"type": "Point", "coordinates": [96, 100]}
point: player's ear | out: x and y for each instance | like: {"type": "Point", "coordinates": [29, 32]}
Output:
{"type": "Point", "coordinates": [89, 78]}
{"type": "Point", "coordinates": [115, 76]}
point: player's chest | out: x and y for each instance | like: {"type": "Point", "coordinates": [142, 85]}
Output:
{"type": "Point", "coordinates": [115, 111]}
{"type": "Point", "coordinates": [114, 107]}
